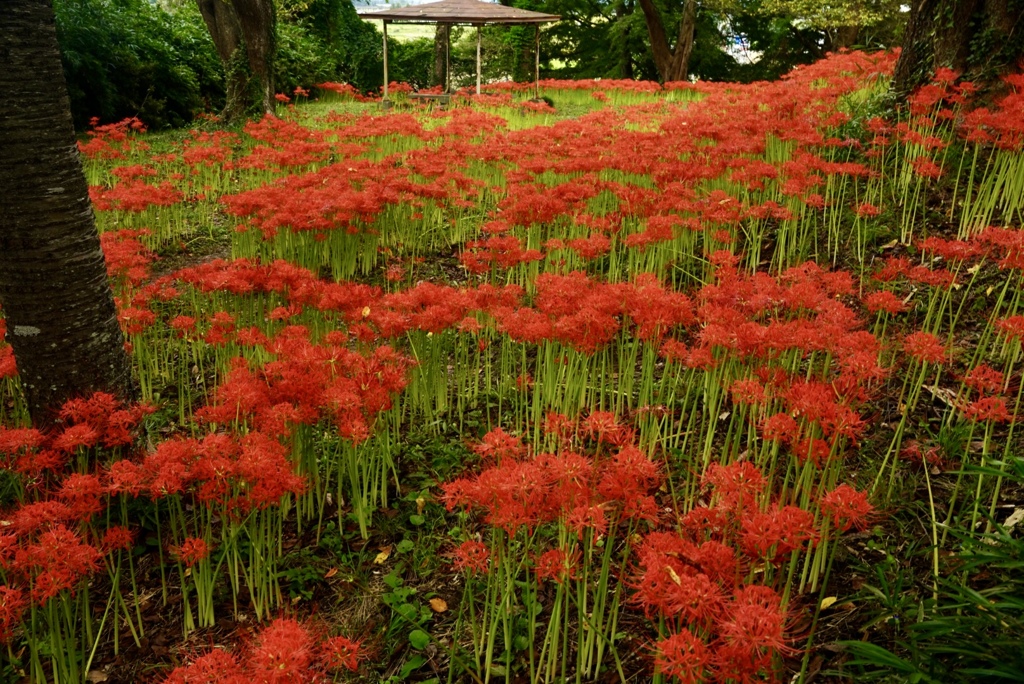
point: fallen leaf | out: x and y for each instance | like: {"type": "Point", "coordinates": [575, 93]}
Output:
{"type": "Point", "coordinates": [97, 676]}
{"type": "Point", "coordinates": [827, 602]}
{"type": "Point", "coordinates": [1015, 517]}
{"type": "Point", "coordinates": [890, 245]}
{"type": "Point", "coordinates": [384, 554]}
{"type": "Point", "coordinates": [331, 573]}
{"type": "Point", "coordinates": [438, 605]}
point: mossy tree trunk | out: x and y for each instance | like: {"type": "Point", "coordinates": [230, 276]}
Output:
{"type": "Point", "coordinates": [244, 33]}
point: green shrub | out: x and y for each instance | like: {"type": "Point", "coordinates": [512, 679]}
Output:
{"type": "Point", "coordinates": [132, 58]}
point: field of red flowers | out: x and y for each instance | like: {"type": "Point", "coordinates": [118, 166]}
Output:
{"type": "Point", "coordinates": [696, 383]}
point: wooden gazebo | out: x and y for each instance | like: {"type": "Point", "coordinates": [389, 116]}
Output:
{"type": "Point", "coordinates": [464, 12]}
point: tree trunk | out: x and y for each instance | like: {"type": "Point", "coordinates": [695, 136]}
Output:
{"type": "Point", "coordinates": [61, 318]}
{"type": "Point", "coordinates": [938, 34]}
{"type": "Point", "coordinates": [625, 55]}
{"type": "Point", "coordinates": [259, 32]}
{"type": "Point", "coordinates": [672, 62]}
{"type": "Point", "coordinates": [441, 38]}
{"type": "Point", "coordinates": [244, 33]}
{"type": "Point", "coordinates": [843, 37]}
{"type": "Point", "coordinates": [222, 23]}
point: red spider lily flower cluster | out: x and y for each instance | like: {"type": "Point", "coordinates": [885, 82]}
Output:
{"type": "Point", "coordinates": [283, 652]}
{"type": "Point", "coordinates": [51, 543]}
{"type": "Point", "coordinates": [112, 141]}
{"type": "Point", "coordinates": [307, 383]}
{"type": "Point", "coordinates": [8, 366]}
{"type": "Point", "coordinates": [98, 421]}
{"type": "Point", "coordinates": [723, 628]}
{"type": "Point", "coordinates": [581, 492]}
{"type": "Point", "coordinates": [136, 195]}
{"type": "Point", "coordinates": [128, 259]}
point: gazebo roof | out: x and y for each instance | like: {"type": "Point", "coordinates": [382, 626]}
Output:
{"type": "Point", "coordinates": [460, 12]}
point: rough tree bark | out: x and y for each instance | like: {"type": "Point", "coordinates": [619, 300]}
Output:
{"type": "Point", "coordinates": [672, 62]}
{"type": "Point", "coordinates": [244, 33]}
{"type": "Point", "coordinates": [61, 318]}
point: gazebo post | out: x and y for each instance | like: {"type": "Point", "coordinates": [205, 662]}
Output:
{"type": "Point", "coordinates": [478, 59]}
{"type": "Point", "coordinates": [385, 98]}
{"type": "Point", "coordinates": [536, 64]}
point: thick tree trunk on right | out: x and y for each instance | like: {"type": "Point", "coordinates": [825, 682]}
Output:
{"type": "Point", "coordinates": [672, 61]}
{"type": "Point", "coordinates": [61, 318]}
{"type": "Point", "coordinates": [939, 33]}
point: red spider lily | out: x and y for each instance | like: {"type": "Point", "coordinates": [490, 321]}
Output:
{"type": "Point", "coordinates": [886, 301]}
{"type": "Point", "coordinates": [582, 518]}
{"type": "Point", "coordinates": [192, 551]}
{"type": "Point", "coordinates": [953, 250]}
{"type": "Point", "coordinates": [733, 661]}
{"type": "Point", "coordinates": [341, 653]}
{"type": "Point", "coordinates": [76, 437]}
{"type": "Point", "coordinates": [15, 441]}
{"type": "Point", "coordinates": [736, 486]}
{"type": "Point", "coordinates": [557, 566]}
{"type": "Point", "coordinates": [603, 427]}
{"type": "Point", "coordinates": [847, 508]}
{"type": "Point", "coordinates": [756, 621]}
{"type": "Point", "coordinates": [472, 557]}
{"type": "Point", "coordinates": [112, 423]}
{"type": "Point", "coordinates": [13, 603]}
{"type": "Point", "coordinates": [498, 445]}
{"type": "Point", "coordinates": [56, 562]}
{"type": "Point", "coordinates": [771, 535]}
{"type": "Point", "coordinates": [283, 653]}
{"type": "Point", "coordinates": [985, 379]}
{"type": "Point", "coordinates": [812, 449]}
{"type": "Point", "coordinates": [987, 409]}
{"type": "Point", "coordinates": [1012, 327]}
{"type": "Point", "coordinates": [559, 425]}
{"type": "Point", "coordinates": [125, 477]}
{"type": "Point", "coordinates": [135, 196]}
{"type": "Point", "coordinates": [866, 210]}
{"type": "Point", "coordinates": [747, 391]}
{"type": "Point", "coordinates": [683, 656]}
{"type": "Point", "coordinates": [117, 538]}
{"type": "Point", "coordinates": [183, 325]}
{"type": "Point", "coordinates": [216, 667]}
{"type": "Point", "coordinates": [127, 258]}
{"type": "Point", "coordinates": [83, 495]}
{"type": "Point", "coordinates": [925, 347]}
{"type": "Point", "coordinates": [782, 427]}
{"type": "Point", "coordinates": [39, 516]}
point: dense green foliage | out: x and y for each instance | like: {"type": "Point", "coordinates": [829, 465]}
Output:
{"type": "Point", "coordinates": [128, 58]}
{"type": "Point", "coordinates": [131, 58]}
{"type": "Point", "coordinates": [125, 58]}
